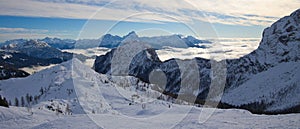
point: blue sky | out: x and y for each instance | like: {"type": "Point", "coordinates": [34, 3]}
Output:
{"type": "Point", "coordinates": [78, 19]}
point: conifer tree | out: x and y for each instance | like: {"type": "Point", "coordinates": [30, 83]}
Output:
{"type": "Point", "coordinates": [3, 102]}
{"type": "Point", "coordinates": [22, 101]}
{"type": "Point", "coordinates": [16, 102]}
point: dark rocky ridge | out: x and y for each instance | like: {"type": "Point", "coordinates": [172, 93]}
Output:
{"type": "Point", "coordinates": [20, 60]}
{"type": "Point", "coordinates": [7, 72]}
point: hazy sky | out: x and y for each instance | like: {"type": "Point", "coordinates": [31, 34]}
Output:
{"type": "Point", "coordinates": [92, 18]}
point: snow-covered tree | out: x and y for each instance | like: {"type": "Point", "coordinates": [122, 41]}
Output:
{"type": "Point", "coordinates": [68, 110]}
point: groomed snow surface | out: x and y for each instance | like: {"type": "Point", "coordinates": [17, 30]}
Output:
{"type": "Point", "coordinates": [19, 118]}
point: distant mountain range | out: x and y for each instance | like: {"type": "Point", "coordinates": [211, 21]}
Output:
{"type": "Point", "coordinates": [38, 49]}
{"type": "Point", "coordinates": [246, 76]}
{"type": "Point", "coordinates": [22, 53]}
{"type": "Point", "coordinates": [113, 41]}
{"type": "Point", "coordinates": [156, 42]}
{"type": "Point", "coordinates": [43, 52]}
{"type": "Point", "coordinates": [53, 42]}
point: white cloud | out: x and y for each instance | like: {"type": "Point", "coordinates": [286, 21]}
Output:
{"type": "Point", "coordinates": [17, 33]}
{"type": "Point", "coordinates": [9, 36]}
{"type": "Point", "coordinates": [254, 12]}
{"type": "Point", "coordinates": [21, 30]}
{"type": "Point", "coordinates": [243, 12]}
{"type": "Point", "coordinates": [223, 48]}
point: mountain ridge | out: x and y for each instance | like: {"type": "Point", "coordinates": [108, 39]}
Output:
{"type": "Point", "coordinates": [113, 41]}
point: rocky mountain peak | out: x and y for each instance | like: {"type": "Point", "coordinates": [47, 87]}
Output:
{"type": "Point", "coordinates": [35, 43]}
{"type": "Point", "coordinates": [132, 33]}
{"type": "Point", "coordinates": [131, 36]}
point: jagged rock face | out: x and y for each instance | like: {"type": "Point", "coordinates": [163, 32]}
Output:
{"type": "Point", "coordinates": [102, 63]}
{"type": "Point", "coordinates": [239, 70]}
{"type": "Point", "coordinates": [131, 36]}
{"type": "Point", "coordinates": [171, 70]}
{"type": "Point", "coordinates": [110, 41]}
{"type": "Point", "coordinates": [141, 65]}
{"type": "Point", "coordinates": [280, 43]}
{"type": "Point", "coordinates": [144, 65]}
{"type": "Point", "coordinates": [180, 75]}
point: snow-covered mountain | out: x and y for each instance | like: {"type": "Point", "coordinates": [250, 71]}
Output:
{"type": "Point", "coordinates": [280, 44]}
{"type": "Point", "coordinates": [12, 63]}
{"type": "Point", "coordinates": [279, 49]}
{"type": "Point", "coordinates": [59, 43]}
{"type": "Point", "coordinates": [28, 54]}
{"type": "Point", "coordinates": [141, 61]}
{"type": "Point", "coordinates": [271, 91]}
{"type": "Point", "coordinates": [74, 87]}
{"type": "Point", "coordinates": [38, 49]}
{"type": "Point", "coordinates": [110, 41]}
{"type": "Point", "coordinates": [32, 53]}
{"type": "Point", "coordinates": [54, 88]}
{"type": "Point", "coordinates": [14, 41]}
{"type": "Point", "coordinates": [113, 41]}
{"type": "Point", "coordinates": [71, 95]}
{"type": "Point", "coordinates": [272, 49]}
{"type": "Point", "coordinates": [53, 42]}
{"type": "Point", "coordinates": [18, 60]}
{"type": "Point", "coordinates": [156, 42]}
